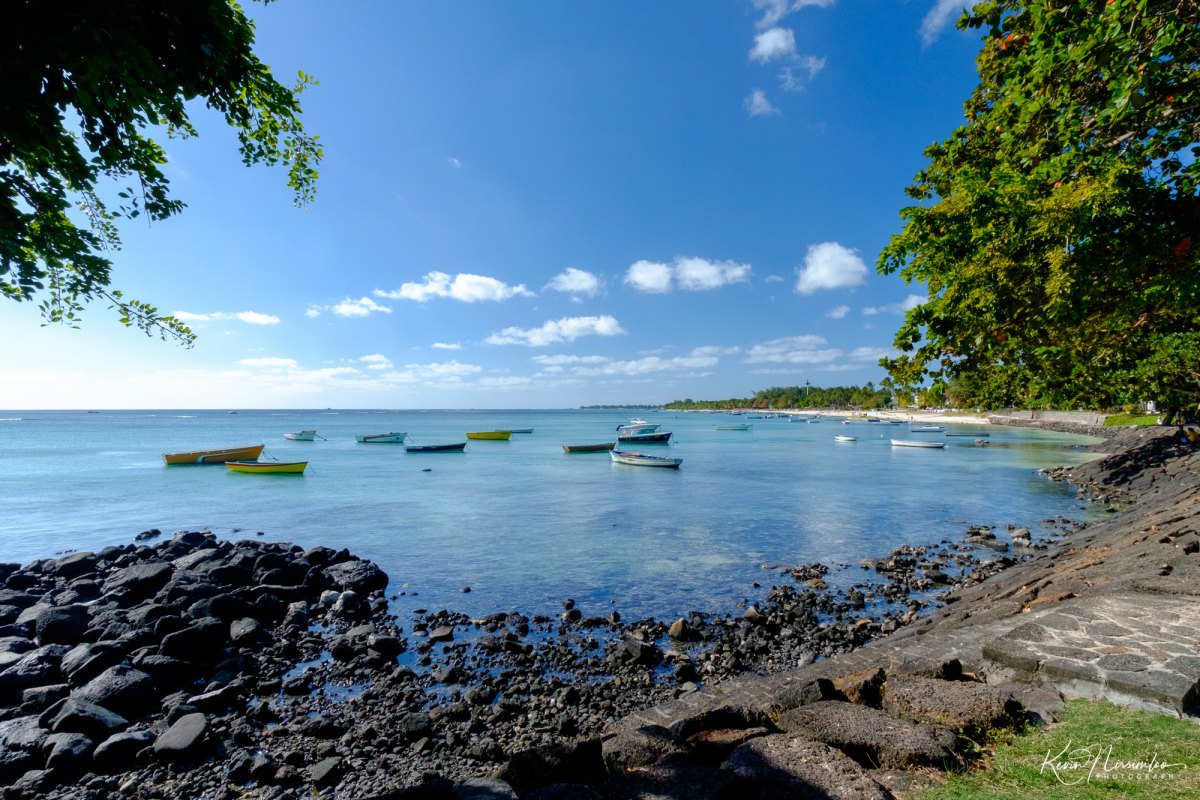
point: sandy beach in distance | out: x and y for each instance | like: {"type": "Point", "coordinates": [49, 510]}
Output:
{"type": "Point", "coordinates": [906, 415]}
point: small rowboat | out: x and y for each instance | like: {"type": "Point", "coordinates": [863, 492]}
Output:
{"type": "Point", "coordinates": [435, 448]}
{"type": "Point", "coordinates": [654, 437]}
{"type": "Point", "coordinates": [972, 435]}
{"type": "Point", "coordinates": [499, 436]}
{"type": "Point", "coordinates": [926, 428]}
{"type": "Point", "coordinates": [306, 435]}
{"type": "Point", "coordinates": [588, 448]}
{"type": "Point", "coordinates": [268, 467]}
{"type": "Point", "coordinates": [248, 453]}
{"type": "Point", "coordinates": [379, 438]}
{"type": "Point", "coordinates": [745, 426]}
{"type": "Point", "coordinates": [840, 438]}
{"type": "Point", "coordinates": [643, 459]}
{"type": "Point", "coordinates": [917, 443]}
{"type": "Point", "coordinates": [521, 430]}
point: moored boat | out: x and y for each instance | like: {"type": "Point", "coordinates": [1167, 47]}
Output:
{"type": "Point", "coordinates": [653, 437]}
{"type": "Point", "coordinates": [637, 426]}
{"type": "Point", "coordinates": [247, 453]}
{"type": "Point", "coordinates": [917, 443]}
{"type": "Point", "coordinates": [521, 430]}
{"type": "Point", "coordinates": [643, 459]}
{"type": "Point", "coordinates": [972, 435]}
{"type": "Point", "coordinates": [268, 467]}
{"type": "Point", "coordinates": [435, 448]}
{"type": "Point", "coordinates": [840, 438]}
{"type": "Point", "coordinates": [499, 436]}
{"type": "Point", "coordinates": [588, 448]}
{"type": "Point", "coordinates": [380, 438]}
{"type": "Point", "coordinates": [926, 428]}
{"type": "Point", "coordinates": [744, 426]}
{"type": "Point", "coordinates": [306, 435]}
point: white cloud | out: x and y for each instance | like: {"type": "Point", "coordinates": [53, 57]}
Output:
{"type": "Point", "coordinates": [454, 162]}
{"type": "Point", "coordinates": [376, 361]}
{"type": "Point", "coordinates": [905, 305]}
{"type": "Point", "coordinates": [575, 282]}
{"type": "Point", "coordinates": [776, 10]}
{"type": "Point", "coordinates": [446, 346]}
{"type": "Point", "coordinates": [757, 104]}
{"type": "Point", "coordinates": [772, 44]}
{"type": "Point", "coordinates": [830, 265]}
{"type": "Point", "coordinates": [270, 362]}
{"type": "Point", "coordinates": [361, 307]}
{"type": "Point", "coordinates": [793, 350]}
{"type": "Point", "coordinates": [599, 366]}
{"type": "Point", "coordinates": [249, 317]}
{"type": "Point", "coordinates": [464, 287]}
{"type": "Point", "coordinates": [796, 78]}
{"type": "Point", "coordinates": [437, 371]}
{"type": "Point", "coordinates": [943, 13]}
{"type": "Point", "coordinates": [313, 311]}
{"type": "Point", "coordinates": [649, 276]}
{"type": "Point", "coordinates": [838, 312]}
{"type": "Point", "coordinates": [871, 354]}
{"type": "Point", "coordinates": [691, 274]}
{"type": "Point", "coordinates": [567, 329]}
{"type": "Point", "coordinates": [561, 360]}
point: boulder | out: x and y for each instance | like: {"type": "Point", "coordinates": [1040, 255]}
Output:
{"type": "Point", "coordinates": [75, 565]}
{"type": "Point", "coordinates": [793, 766]}
{"type": "Point", "coordinates": [70, 753]}
{"type": "Point", "coordinates": [74, 715]}
{"type": "Point", "coordinates": [40, 667]}
{"type": "Point", "coordinates": [641, 747]}
{"type": "Point", "coordinates": [203, 640]}
{"type": "Point", "coordinates": [118, 752]}
{"type": "Point", "coordinates": [21, 740]}
{"type": "Point", "coordinates": [184, 740]}
{"type": "Point", "coordinates": [357, 575]}
{"type": "Point", "coordinates": [871, 737]}
{"type": "Point", "coordinates": [973, 708]}
{"type": "Point", "coordinates": [138, 581]}
{"type": "Point", "coordinates": [121, 689]}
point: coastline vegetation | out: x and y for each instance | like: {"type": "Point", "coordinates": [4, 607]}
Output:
{"type": "Point", "coordinates": [1096, 751]}
{"type": "Point", "coordinates": [866, 398]}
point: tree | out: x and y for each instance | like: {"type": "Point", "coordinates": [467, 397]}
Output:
{"type": "Point", "coordinates": [83, 85]}
{"type": "Point", "coordinates": [1056, 230]}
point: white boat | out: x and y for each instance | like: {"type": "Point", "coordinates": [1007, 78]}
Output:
{"type": "Point", "coordinates": [380, 438]}
{"type": "Point", "coordinates": [926, 428]}
{"type": "Point", "coordinates": [636, 426]}
{"type": "Point", "coordinates": [917, 443]}
{"type": "Point", "coordinates": [306, 435]}
{"type": "Point", "coordinates": [743, 426]}
{"type": "Point", "coordinates": [643, 459]}
{"type": "Point", "coordinates": [841, 438]}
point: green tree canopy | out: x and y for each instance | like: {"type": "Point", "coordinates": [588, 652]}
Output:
{"type": "Point", "coordinates": [1057, 230]}
{"type": "Point", "coordinates": [83, 85]}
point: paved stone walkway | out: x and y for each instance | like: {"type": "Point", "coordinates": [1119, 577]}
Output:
{"type": "Point", "coordinates": [1135, 650]}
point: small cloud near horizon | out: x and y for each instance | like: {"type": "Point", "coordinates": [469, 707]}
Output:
{"type": "Point", "coordinates": [248, 317]}
{"type": "Point", "coordinates": [567, 329]}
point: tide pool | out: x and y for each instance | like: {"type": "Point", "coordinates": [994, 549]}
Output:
{"type": "Point", "coordinates": [520, 523]}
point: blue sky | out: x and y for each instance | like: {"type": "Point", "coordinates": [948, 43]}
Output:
{"type": "Point", "coordinates": [535, 204]}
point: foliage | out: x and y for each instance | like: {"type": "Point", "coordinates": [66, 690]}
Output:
{"type": "Point", "coordinates": [1018, 770]}
{"type": "Point", "coordinates": [1056, 227]}
{"type": "Point", "coordinates": [85, 84]}
{"type": "Point", "coordinates": [807, 396]}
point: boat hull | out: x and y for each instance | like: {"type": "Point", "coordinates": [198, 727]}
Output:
{"type": "Point", "coordinates": [657, 437]}
{"type": "Point", "coordinates": [743, 427]}
{"type": "Point", "coordinates": [637, 427]}
{"type": "Point", "coordinates": [380, 438]}
{"type": "Point", "coordinates": [845, 439]}
{"type": "Point", "coordinates": [643, 460]}
{"type": "Point", "coordinates": [268, 467]}
{"type": "Point", "coordinates": [248, 453]}
{"type": "Point", "coordinates": [917, 443]}
{"type": "Point", "coordinates": [435, 448]}
{"type": "Point", "coordinates": [521, 430]}
{"type": "Point", "coordinates": [588, 448]}
{"type": "Point", "coordinates": [498, 436]}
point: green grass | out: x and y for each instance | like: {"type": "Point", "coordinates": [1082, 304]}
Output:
{"type": "Point", "coordinates": [1130, 419]}
{"type": "Point", "coordinates": [1159, 759]}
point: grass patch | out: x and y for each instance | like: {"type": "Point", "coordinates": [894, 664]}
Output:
{"type": "Point", "coordinates": [1118, 420]}
{"type": "Point", "coordinates": [1097, 751]}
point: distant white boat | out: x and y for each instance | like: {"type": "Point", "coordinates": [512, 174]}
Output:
{"type": "Point", "coordinates": [917, 443]}
{"type": "Point", "coordinates": [380, 438]}
{"type": "Point", "coordinates": [841, 438]}
{"type": "Point", "coordinates": [306, 435]}
{"type": "Point", "coordinates": [926, 428]}
{"type": "Point", "coordinates": [744, 426]}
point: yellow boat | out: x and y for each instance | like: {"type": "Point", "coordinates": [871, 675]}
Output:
{"type": "Point", "coordinates": [248, 453]}
{"type": "Point", "coordinates": [268, 467]}
{"type": "Point", "coordinates": [497, 435]}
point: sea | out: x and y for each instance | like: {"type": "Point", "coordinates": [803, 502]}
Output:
{"type": "Point", "coordinates": [519, 524]}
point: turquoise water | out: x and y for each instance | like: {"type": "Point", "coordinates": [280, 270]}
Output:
{"type": "Point", "coordinates": [519, 522]}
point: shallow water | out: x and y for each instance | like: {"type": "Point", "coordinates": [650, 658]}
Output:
{"type": "Point", "coordinates": [520, 523]}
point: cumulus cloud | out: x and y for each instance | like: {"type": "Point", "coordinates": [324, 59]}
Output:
{"type": "Point", "coordinates": [270, 362]}
{"type": "Point", "coordinates": [249, 317]}
{"type": "Point", "coordinates": [576, 282]}
{"type": "Point", "coordinates": [943, 13]}
{"type": "Point", "coordinates": [775, 10]}
{"type": "Point", "coordinates": [437, 371]}
{"type": "Point", "coordinates": [600, 366]}
{"type": "Point", "coordinates": [773, 43]}
{"type": "Point", "coordinates": [757, 104]}
{"type": "Point", "coordinates": [838, 312]}
{"type": "Point", "coordinates": [464, 287]}
{"type": "Point", "coordinates": [446, 346]}
{"type": "Point", "coordinates": [567, 329]}
{"type": "Point", "coordinates": [376, 361]}
{"type": "Point", "coordinates": [871, 354]}
{"type": "Point", "coordinates": [689, 274]}
{"type": "Point", "coordinates": [793, 350]}
{"type": "Point", "coordinates": [830, 265]}
{"type": "Point", "coordinates": [905, 305]}
{"type": "Point", "coordinates": [361, 307]}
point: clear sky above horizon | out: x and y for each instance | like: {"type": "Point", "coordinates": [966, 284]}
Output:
{"type": "Point", "coordinates": [536, 204]}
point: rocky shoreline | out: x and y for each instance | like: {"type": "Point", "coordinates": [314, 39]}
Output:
{"type": "Point", "coordinates": [200, 667]}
